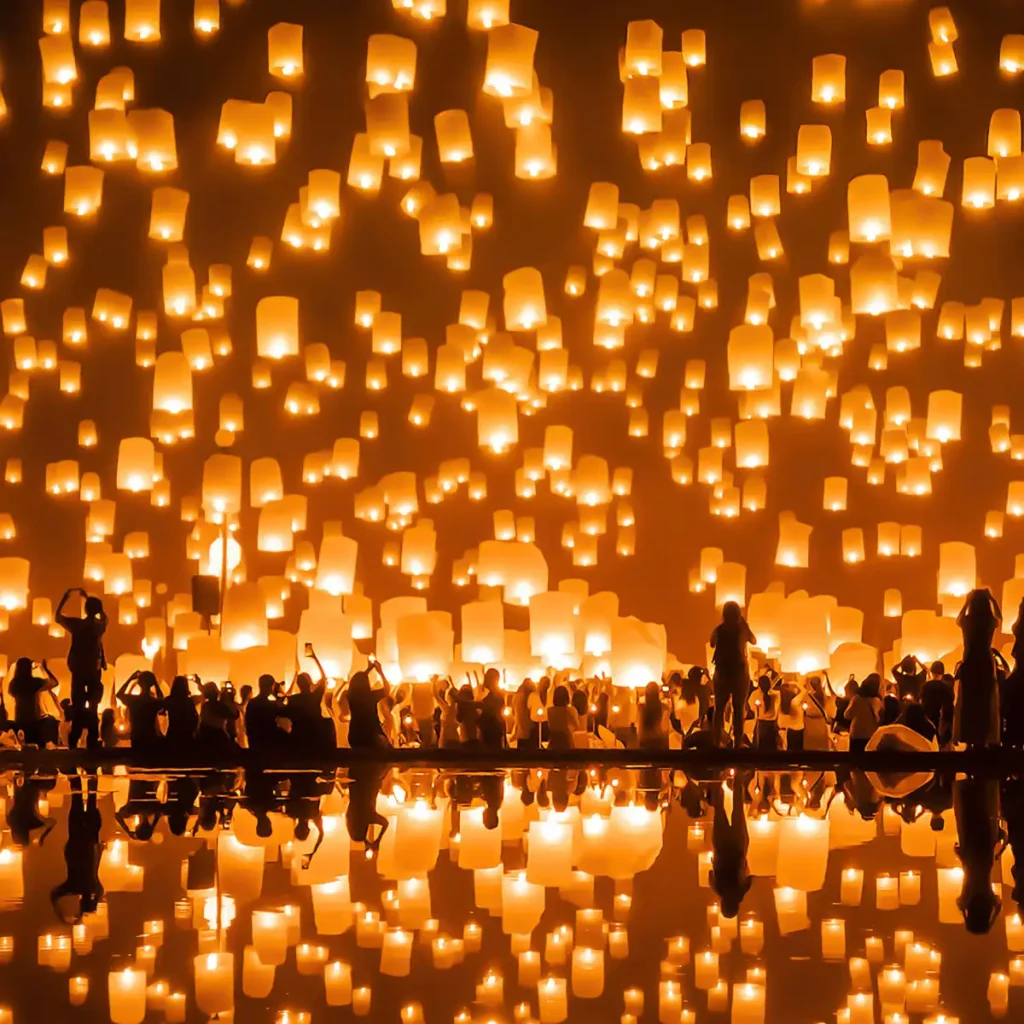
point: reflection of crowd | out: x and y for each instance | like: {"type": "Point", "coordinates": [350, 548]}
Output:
{"type": "Point", "coordinates": [915, 706]}
{"type": "Point", "coordinates": [987, 815]}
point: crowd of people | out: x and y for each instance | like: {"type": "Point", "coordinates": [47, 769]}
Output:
{"type": "Point", "coordinates": [921, 706]}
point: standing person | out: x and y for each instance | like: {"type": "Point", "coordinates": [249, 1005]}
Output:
{"type": "Point", "coordinates": [492, 711]}
{"type": "Point", "coordinates": [422, 701]}
{"type": "Point", "coordinates": [819, 713]}
{"type": "Point", "coordinates": [262, 716]}
{"type": "Point", "coordinates": [527, 725]}
{"type": "Point", "coordinates": [864, 712]}
{"type": "Point", "coordinates": [729, 639]}
{"type": "Point", "coordinates": [26, 688]}
{"type": "Point", "coordinates": [305, 709]}
{"type": "Point", "coordinates": [365, 731]}
{"type": "Point", "coordinates": [909, 675]}
{"type": "Point", "coordinates": [1011, 694]}
{"type": "Point", "coordinates": [86, 663]}
{"type": "Point", "coordinates": [651, 714]}
{"type": "Point", "coordinates": [791, 714]}
{"type": "Point", "coordinates": [938, 698]}
{"type": "Point", "coordinates": [563, 722]}
{"type": "Point", "coordinates": [766, 707]}
{"type": "Point", "coordinates": [214, 715]}
{"type": "Point", "coordinates": [143, 709]}
{"type": "Point", "coordinates": [182, 717]}
{"type": "Point", "coordinates": [976, 719]}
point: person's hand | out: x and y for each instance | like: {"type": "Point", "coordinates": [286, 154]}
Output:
{"type": "Point", "coordinates": [43, 665]}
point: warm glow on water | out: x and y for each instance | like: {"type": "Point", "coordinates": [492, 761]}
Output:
{"type": "Point", "coordinates": [600, 891]}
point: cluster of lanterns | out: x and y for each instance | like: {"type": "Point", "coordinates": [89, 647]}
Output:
{"type": "Point", "coordinates": [558, 926]}
{"type": "Point", "coordinates": [505, 363]}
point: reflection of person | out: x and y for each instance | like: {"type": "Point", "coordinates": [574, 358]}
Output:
{"type": "Point", "coordinates": [1013, 813]}
{"type": "Point", "coordinates": [976, 806]}
{"type": "Point", "coordinates": [730, 877]}
{"type": "Point", "coordinates": [86, 663]}
{"type": "Point", "coordinates": [1011, 692]}
{"type": "Point", "coordinates": [362, 814]}
{"type": "Point", "coordinates": [81, 893]}
{"type": "Point", "coordinates": [976, 715]}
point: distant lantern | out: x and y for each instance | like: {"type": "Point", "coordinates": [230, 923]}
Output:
{"type": "Point", "coordinates": [694, 47]}
{"type": "Point", "coordinates": [868, 208]}
{"type": "Point", "coordinates": [828, 79]}
{"type": "Point", "coordinates": [891, 89]}
{"type": "Point", "coordinates": [390, 64]}
{"type": "Point", "coordinates": [277, 327]}
{"type": "Point", "coordinates": [510, 55]}
{"type": "Point", "coordinates": [142, 21]}
{"type": "Point", "coordinates": [979, 184]}
{"type": "Point", "coordinates": [94, 24]}
{"type": "Point", "coordinates": [284, 51]}
{"type": "Point", "coordinates": [83, 190]}
{"type": "Point", "coordinates": [135, 464]}
{"type": "Point", "coordinates": [524, 305]}
{"type": "Point", "coordinates": [752, 120]}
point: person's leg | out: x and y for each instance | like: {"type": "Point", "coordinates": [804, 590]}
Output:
{"type": "Point", "coordinates": [92, 728]}
{"type": "Point", "coordinates": [739, 705]}
{"type": "Point", "coordinates": [426, 731]}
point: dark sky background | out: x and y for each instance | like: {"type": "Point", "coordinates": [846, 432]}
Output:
{"type": "Point", "coordinates": [755, 50]}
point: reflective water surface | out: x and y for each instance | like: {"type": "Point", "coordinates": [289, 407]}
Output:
{"type": "Point", "coordinates": [541, 895]}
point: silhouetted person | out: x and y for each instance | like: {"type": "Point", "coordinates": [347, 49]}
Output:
{"type": "Point", "coordinates": [81, 893]}
{"type": "Point", "coordinates": [86, 663]}
{"type": "Point", "coordinates": [976, 805]}
{"type": "Point", "coordinates": [732, 680]}
{"type": "Point", "coordinates": [365, 731]}
{"type": "Point", "coordinates": [864, 712]}
{"type": "Point", "coordinates": [144, 709]}
{"type": "Point", "coordinates": [937, 701]}
{"type": "Point", "coordinates": [730, 877]}
{"type": "Point", "coordinates": [305, 709]}
{"type": "Point", "coordinates": [651, 729]}
{"type": "Point", "coordinates": [262, 715]}
{"type": "Point", "coordinates": [1011, 695]}
{"type": "Point", "coordinates": [563, 722]}
{"type": "Point", "coordinates": [214, 715]}
{"type": "Point", "coordinates": [492, 712]}
{"type": "Point", "coordinates": [23, 817]}
{"type": "Point", "coordinates": [182, 717]}
{"type": "Point", "coordinates": [976, 719]}
{"type": "Point", "coordinates": [909, 675]}
{"type": "Point", "coordinates": [26, 689]}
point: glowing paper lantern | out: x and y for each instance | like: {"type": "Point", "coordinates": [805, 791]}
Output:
{"type": "Point", "coordinates": [828, 79]}
{"type": "Point", "coordinates": [142, 21]}
{"type": "Point", "coordinates": [284, 51]}
{"type": "Point", "coordinates": [524, 305]}
{"type": "Point", "coordinates": [510, 53]}
{"type": "Point", "coordinates": [277, 327]}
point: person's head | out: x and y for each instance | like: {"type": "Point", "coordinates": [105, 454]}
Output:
{"type": "Point", "coordinates": [652, 693]}
{"type": "Point", "coordinates": [764, 682]}
{"type": "Point", "coordinates": [561, 697]}
{"type": "Point", "coordinates": [179, 687]}
{"type": "Point", "coordinates": [675, 682]}
{"type": "Point", "coordinates": [245, 693]}
{"type": "Point", "coordinates": [304, 682]}
{"type": "Point", "coordinates": [107, 718]}
{"type": "Point", "coordinates": [872, 686]}
{"type": "Point", "coordinates": [815, 686]}
{"type": "Point", "coordinates": [302, 830]}
{"type": "Point", "coordinates": [979, 606]}
{"type": "Point", "coordinates": [265, 683]}
{"type": "Point", "coordinates": [93, 607]}
{"type": "Point", "coordinates": [147, 681]}
{"type": "Point", "coordinates": [210, 691]}
{"type": "Point", "coordinates": [851, 689]}
{"type": "Point", "coordinates": [359, 685]}
{"type": "Point", "coordinates": [938, 670]}
{"type": "Point", "coordinates": [465, 692]}
{"type": "Point", "coordinates": [492, 678]}
{"type": "Point", "coordinates": [731, 613]}
{"type": "Point", "coordinates": [691, 684]}
{"type": "Point", "coordinates": [907, 665]}
{"type": "Point", "coordinates": [579, 702]}
{"type": "Point", "coordinates": [543, 687]}
{"type": "Point", "coordinates": [22, 669]}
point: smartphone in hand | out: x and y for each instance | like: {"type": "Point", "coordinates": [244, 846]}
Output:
{"type": "Point", "coordinates": [308, 650]}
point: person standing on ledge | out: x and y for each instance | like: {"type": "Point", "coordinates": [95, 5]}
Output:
{"type": "Point", "coordinates": [732, 679]}
{"type": "Point", "coordinates": [86, 663]}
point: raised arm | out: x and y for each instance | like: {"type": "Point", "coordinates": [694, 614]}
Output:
{"type": "Point", "coordinates": [126, 687]}
{"type": "Point", "coordinates": [52, 681]}
{"type": "Point", "coordinates": [375, 665]}
{"type": "Point", "coordinates": [59, 615]}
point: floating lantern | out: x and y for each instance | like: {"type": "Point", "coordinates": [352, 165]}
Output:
{"type": "Point", "coordinates": [828, 79]}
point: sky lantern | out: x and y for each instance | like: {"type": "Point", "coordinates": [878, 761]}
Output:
{"type": "Point", "coordinates": [135, 464]}
{"type": "Point", "coordinates": [172, 383]}
{"type": "Point", "coordinates": [879, 125]}
{"type": "Point", "coordinates": [93, 24]}
{"type": "Point", "coordinates": [277, 327]}
{"type": "Point", "coordinates": [944, 416]}
{"type": "Point", "coordinates": [979, 183]}
{"type": "Point", "coordinates": [694, 47]}
{"type": "Point", "coordinates": [868, 208]}
{"type": "Point", "coordinates": [179, 286]}
{"type": "Point", "coordinates": [487, 14]}
{"type": "Point", "coordinates": [1011, 54]}
{"type": "Point", "coordinates": [142, 21]}
{"type": "Point", "coordinates": [83, 190]}
{"type": "Point", "coordinates": [510, 53]}
{"type": "Point", "coordinates": [752, 120]}
{"type": "Point", "coordinates": [1004, 133]}
{"type": "Point", "coordinates": [390, 64]}
{"type": "Point", "coordinates": [365, 170]}
{"type": "Point", "coordinates": [643, 49]}
{"type": "Point", "coordinates": [535, 156]}
{"type": "Point", "coordinates": [206, 17]}
{"type": "Point", "coordinates": [387, 125]}
{"type": "Point", "coordinates": [58, 58]}
{"type": "Point", "coordinates": [254, 134]}
{"type": "Point", "coordinates": [957, 569]}
{"type": "Point", "coordinates": [167, 214]}
{"type": "Point", "coordinates": [891, 89]}
{"type": "Point", "coordinates": [943, 59]}
{"type": "Point", "coordinates": [284, 51]}
{"type": "Point", "coordinates": [750, 357]}
{"type": "Point", "coordinates": [524, 305]}
{"type": "Point", "coordinates": [828, 79]}
{"type": "Point", "coordinates": [942, 26]}
{"type": "Point", "coordinates": [641, 106]}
